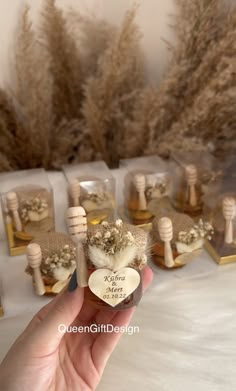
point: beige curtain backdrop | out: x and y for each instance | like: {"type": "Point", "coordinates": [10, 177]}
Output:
{"type": "Point", "coordinates": [153, 17]}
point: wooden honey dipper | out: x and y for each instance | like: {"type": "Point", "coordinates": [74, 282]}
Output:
{"type": "Point", "coordinates": [34, 257]}
{"type": "Point", "coordinates": [77, 227]}
{"type": "Point", "coordinates": [165, 229]}
{"type": "Point", "coordinates": [13, 206]}
{"type": "Point", "coordinates": [228, 210]}
{"type": "Point", "coordinates": [192, 178]}
{"type": "Point", "coordinates": [140, 185]}
{"type": "Point", "coordinates": [74, 191]}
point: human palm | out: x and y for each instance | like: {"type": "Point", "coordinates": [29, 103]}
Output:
{"type": "Point", "coordinates": [44, 359]}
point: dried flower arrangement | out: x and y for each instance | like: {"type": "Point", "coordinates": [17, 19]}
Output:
{"type": "Point", "coordinates": [35, 209]}
{"type": "Point", "coordinates": [115, 245]}
{"type": "Point", "coordinates": [86, 97]}
{"type": "Point", "coordinates": [194, 238]}
{"type": "Point", "coordinates": [194, 108]}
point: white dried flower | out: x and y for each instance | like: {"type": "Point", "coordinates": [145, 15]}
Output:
{"type": "Point", "coordinates": [119, 223]}
{"type": "Point", "coordinates": [130, 237]}
{"type": "Point", "coordinates": [199, 231]}
{"type": "Point", "coordinates": [107, 235]}
{"type": "Point", "coordinates": [105, 224]}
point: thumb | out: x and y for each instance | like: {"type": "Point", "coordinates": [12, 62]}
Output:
{"type": "Point", "coordinates": [63, 312]}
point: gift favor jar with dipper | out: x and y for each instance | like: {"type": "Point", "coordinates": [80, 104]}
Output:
{"type": "Point", "coordinates": [110, 257]}
{"type": "Point", "coordinates": [51, 261]}
{"type": "Point", "coordinates": [27, 207]}
{"type": "Point", "coordinates": [192, 173]}
{"type": "Point", "coordinates": [146, 181]}
{"type": "Point", "coordinates": [221, 211]}
{"type": "Point", "coordinates": [176, 239]}
{"type": "Point", "coordinates": [92, 186]}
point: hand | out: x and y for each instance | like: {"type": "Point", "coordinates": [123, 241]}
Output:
{"type": "Point", "coordinates": [44, 359]}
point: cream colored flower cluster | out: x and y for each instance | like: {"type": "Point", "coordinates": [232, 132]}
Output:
{"type": "Point", "coordinates": [112, 237]}
{"type": "Point", "coordinates": [65, 258]}
{"type": "Point", "coordinates": [199, 231]}
{"type": "Point", "coordinates": [99, 197]}
{"type": "Point", "coordinates": [38, 205]}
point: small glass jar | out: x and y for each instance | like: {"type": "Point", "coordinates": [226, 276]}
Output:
{"type": "Point", "coordinates": [220, 209]}
{"type": "Point", "coordinates": [177, 239]}
{"type": "Point", "coordinates": [146, 181]}
{"type": "Point", "coordinates": [57, 262]}
{"type": "Point", "coordinates": [27, 207]}
{"type": "Point", "coordinates": [131, 245]}
{"type": "Point", "coordinates": [92, 186]}
{"type": "Point", "coordinates": [192, 173]}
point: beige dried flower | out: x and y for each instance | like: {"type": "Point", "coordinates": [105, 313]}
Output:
{"type": "Point", "coordinates": [200, 230]}
{"type": "Point", "coordinates": [109, 95]}
{"type": "Point", "coordinates": [114, 248]}
{"type": "Point", "coordinates": [63, 259]}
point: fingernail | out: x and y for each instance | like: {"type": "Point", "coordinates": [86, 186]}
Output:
{"type": "Point", "coordinates": [73, 282]}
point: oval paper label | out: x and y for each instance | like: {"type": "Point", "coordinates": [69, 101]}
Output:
{"type": "Point", "coordinates": [114, 287]}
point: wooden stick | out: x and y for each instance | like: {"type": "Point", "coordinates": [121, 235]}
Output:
{"type": "Point", "coordinates": [192, 177]}
{"type": "Point", "coordinates": [140, 184]}
{"type": "Point", "coordinates": [74, 191]}
{"type": "Point", "coordinates": [165, 229]}
{"type": "Point", "coordinates": [13, 206]}
{"type": "Point", "coordinates": [34, 257]}
{"type": "Point", "coordinates": [228, 210]}
{"type": "Point", "coordinates": [77, 227]}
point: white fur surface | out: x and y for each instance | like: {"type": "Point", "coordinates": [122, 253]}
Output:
{"type": "Point", "coordinates": [187, 338]}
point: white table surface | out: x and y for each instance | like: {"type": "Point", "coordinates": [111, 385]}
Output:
{"type": "Point", "coordinates": [187, 322]}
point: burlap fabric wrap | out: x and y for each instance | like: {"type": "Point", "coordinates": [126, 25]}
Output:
{"type": "Point", "coordinates": [52, 243]}
{"type": "Point", "coordinates": [180, 221]}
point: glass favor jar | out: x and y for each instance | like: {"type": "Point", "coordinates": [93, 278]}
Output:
{"type": "Point", "coordinates": [220, 208]}
{"type": "Point", "coordinates": [146, 181]}
{"type": "Point", "coordinates": [192, 173]}
{"type": "Point", "coordinates": [177, 239]}
{"type": "Point", "coordinates": [115, 255]}
{"type": "Point", "coordinates": [27, 207]}
{"type": "Point", "coordinates": [92, 186]}
{"type": "Point", "coordinates": [51, 262]}
{"type": "Point", "coordinates": [110, 257]}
